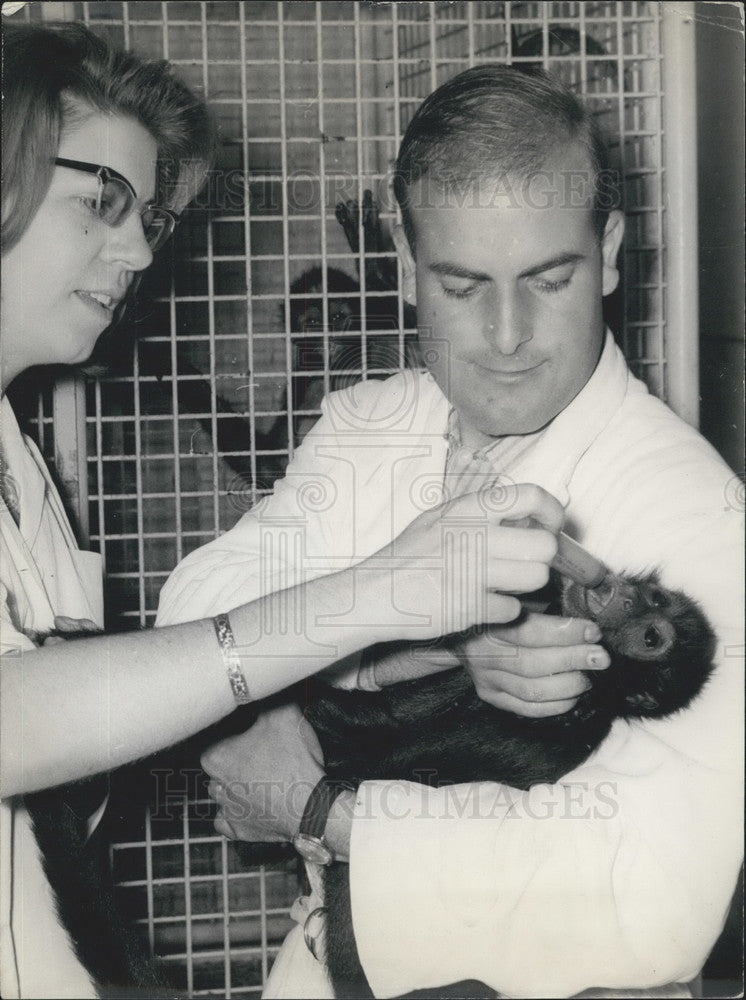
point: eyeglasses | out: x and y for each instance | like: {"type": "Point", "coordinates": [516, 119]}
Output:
{"type": "Point", "coordinates": [116, 200]}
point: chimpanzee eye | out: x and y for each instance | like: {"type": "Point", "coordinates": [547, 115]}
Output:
{"type": "Point", "coordinates": [652, 637]}
{"type": "Point", "coordinates": [657, 599]}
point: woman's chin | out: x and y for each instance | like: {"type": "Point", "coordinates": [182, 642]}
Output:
{"type": "Point", "coordinates": [81, 350]}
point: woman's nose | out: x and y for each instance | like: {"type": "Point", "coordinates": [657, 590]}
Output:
{"type": "Point", "coordinates": [127, 244]}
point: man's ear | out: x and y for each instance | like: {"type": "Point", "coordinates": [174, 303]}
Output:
{"type": "Point", "coordinates": [611, 241]}
{"type": "Point", "coordinates": [409, 270]}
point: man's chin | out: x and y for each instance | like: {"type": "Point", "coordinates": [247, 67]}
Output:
{"type": "Point", "coordinates": [513, 425]}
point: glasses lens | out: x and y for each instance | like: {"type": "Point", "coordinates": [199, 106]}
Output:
{"type": "Point", "coordinates": [158, 226]}
{"type": "Point", "coordinates": [116, 202]}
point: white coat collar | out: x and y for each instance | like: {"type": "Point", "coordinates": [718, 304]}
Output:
{"type": "Point", "coordinates": [551, 462]}
{"type": "Point", "coordinates": [30, 478]}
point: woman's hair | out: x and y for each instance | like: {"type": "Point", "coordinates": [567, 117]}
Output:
{"type": "Point", "coordinates": [495, 121]}
{"type": "Point", "coordinates": [52, 75]}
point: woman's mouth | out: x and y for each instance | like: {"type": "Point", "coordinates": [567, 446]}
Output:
{"type": "Point", "coordinates": [100, 302]}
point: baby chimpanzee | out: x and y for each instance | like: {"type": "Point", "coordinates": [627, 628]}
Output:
{"type": "Point", "coordinates": [436, 729]}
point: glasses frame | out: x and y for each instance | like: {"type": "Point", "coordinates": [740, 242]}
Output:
{"type": "Point", "coordinates": [103, 175]}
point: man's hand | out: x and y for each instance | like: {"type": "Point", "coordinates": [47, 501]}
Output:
{"type": "Point", "coordinates": [392, 662]}
{"type": "Point", "coordinates": [533, 668]}
{"type": "Point", "coordinates": [65, 626]}
{"type": "Point", "coordinates": [262, 778]}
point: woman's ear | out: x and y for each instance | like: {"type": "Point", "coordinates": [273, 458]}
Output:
{"type": "Point", "coordinates": [403, 249]}
{"type": "Point", "coordinates": [611, 241]}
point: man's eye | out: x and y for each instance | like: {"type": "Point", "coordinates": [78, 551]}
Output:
{"type": "Point", "coordinates": [554, 279]}
{"type": "Point", "coordinates": [545, 285]}
{"type": "Point", "coordinates": [459, 291]}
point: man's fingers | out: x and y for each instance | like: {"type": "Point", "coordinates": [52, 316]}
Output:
{"type": "Point", "coordinates": [53, 640]}
{"type": "Point", "coordinates": [406, 662]}
{"type": "Point", "coordinates": [537, 662]}
{"type": "Point", "coordinates": [63, 623]}
{"type": "Point", "coordinates": [550, 630]}
{"type": "Point", "coordinates": [536, 630]}
{"type": "Point", "coordinates": [558, 687]}
{"type": "Point", "coordinates": [246, 832]}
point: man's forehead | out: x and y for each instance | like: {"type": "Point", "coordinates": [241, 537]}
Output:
{"type": "Point", "coordinates": [541, 190]}
{"type": "Point", "coordinates": [564, 179]}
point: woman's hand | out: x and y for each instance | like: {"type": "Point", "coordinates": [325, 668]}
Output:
{"type": "Point", "coordinates": [536, 667]}
{"type": "Point", "coordinates": [459, 564]}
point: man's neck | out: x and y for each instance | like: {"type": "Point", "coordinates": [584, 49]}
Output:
{"type": "Point", "coordinates": [472, 437]}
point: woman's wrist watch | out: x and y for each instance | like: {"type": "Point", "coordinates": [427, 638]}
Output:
{"type": "Point", "coordinates": [309, 840]}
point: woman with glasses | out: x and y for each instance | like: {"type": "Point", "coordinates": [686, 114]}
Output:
{"type": "Point", "coordinates": [101, 152]}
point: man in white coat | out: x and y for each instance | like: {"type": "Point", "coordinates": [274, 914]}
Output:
{"type": "Point", "coordinates": [620, 875]}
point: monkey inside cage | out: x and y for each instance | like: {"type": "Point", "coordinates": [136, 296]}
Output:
{"type": "Point", "coordinates": [282, 285]}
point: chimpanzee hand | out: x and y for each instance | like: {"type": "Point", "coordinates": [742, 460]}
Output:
{"type": "Point", "coordinates": [533, 668]}
{"type": "Point", "coordinates": [262, 778]}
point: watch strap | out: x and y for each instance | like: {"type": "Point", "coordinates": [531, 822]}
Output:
{"type": "Point", "coordinates": [319, 804]}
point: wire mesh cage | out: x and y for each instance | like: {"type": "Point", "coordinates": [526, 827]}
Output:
{"type": "Point", "coordinates": [266, 301]}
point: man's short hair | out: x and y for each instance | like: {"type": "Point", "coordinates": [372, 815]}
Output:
{"type": "Point", "coordinates": [497, 121]}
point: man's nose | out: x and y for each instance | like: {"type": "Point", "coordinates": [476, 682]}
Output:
{"type": "Point", "coordinates": [507, 325]}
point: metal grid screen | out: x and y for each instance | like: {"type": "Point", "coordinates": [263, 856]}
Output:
{"type": "Point", "coordinates": [311, 100]}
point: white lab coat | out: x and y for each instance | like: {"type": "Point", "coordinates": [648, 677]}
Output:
{"type": "Point", "coordinates": [619, 875]}
{"type": "Point", "coordinates": [42, 574]}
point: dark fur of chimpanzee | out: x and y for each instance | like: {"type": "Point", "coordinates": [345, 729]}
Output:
{"type": "Point", "coordinates": [438, 731]}
{"type": "Point", "coordinates": [78, 872]}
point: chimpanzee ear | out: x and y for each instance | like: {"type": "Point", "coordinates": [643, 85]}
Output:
{"type": "Point", "coordinates": [643, 702]}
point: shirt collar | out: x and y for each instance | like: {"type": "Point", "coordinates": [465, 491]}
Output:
{"type": "Point", "coordinates": [554, 452]}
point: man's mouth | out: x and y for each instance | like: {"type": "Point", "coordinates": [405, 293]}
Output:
{"type": "Point", "coordinates": [508, 374]}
